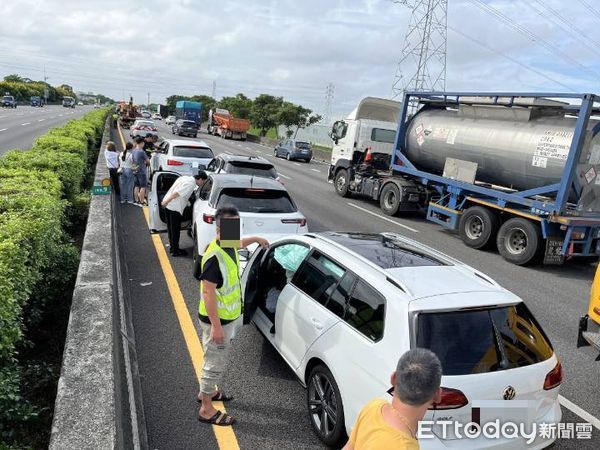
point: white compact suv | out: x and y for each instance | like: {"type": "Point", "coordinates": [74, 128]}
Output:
{"type": "Point", "coordinates": [341, 308]}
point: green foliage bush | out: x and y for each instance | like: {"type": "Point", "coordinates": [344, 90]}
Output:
{"type": "Point", "coordinates": [40, 195]}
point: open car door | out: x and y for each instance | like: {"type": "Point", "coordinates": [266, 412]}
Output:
{"type": "Point", "coordinates": [249, 283]}
{"type": "Point", "coordinates": [161, 183]}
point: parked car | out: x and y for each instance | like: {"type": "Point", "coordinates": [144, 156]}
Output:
{"type": "Point", "coordinates": [170, 120]}
{"type": "Point", "coordinates": [244, 165]}
{"type": "Point", "coordinates": [8, 101]}
{"type": "Point", "coordinates": [342, 307]}
{"type": "Point", "coordinates": [156, 116]}
{"type": "Point", "coordinates": [293, 149]}
{"type": "Point", "coordinates": [181, 156]}
{"type": "Point", "coordinates": [97, 106]}
{"type": "Point", "coordinates": [143, 127]}
{"type": "Point", "coordinates": [265, 207]}
{"type": "Point", "coordinates": [185, 128]}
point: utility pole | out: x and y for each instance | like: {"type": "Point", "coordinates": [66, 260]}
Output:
{"type": "Point", "coordinates": [45, 87]}
{"type": "Point", "coordinates": [422, 64]}
{"type": "Point", "coordinates": [148, 104]}
{"type": "Point", "coordinates": [214, 90]}
{"type": "Point", "coordinates": [329, 90]}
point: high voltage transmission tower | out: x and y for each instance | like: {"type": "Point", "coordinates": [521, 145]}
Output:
{"type": "Point", "coordinates": [328, 102]}
{"type": "Point", "coordinates": [422, 64]}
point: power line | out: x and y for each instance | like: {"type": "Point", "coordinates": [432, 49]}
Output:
{"type": "Point", "coordinates": [590, 8]}
{"type": "Point", "coordinates": [530, 35]}
{"type": "Point", "coordinates": [531, 69]}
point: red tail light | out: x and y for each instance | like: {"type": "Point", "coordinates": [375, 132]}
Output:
{"type": "Point", "coordinates": [301, 222]}
{"type": "Point", "coordinates": [451, 399]}
{"type": "Point", "coordinates": [208, 218]}
{"type": "Point", "coordinates": [554, 377]}
{"type": "Point", "coordinates": [172, 162]}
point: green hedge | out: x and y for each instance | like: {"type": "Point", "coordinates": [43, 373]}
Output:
{"type": "Point", "coordinates": [37, 190]}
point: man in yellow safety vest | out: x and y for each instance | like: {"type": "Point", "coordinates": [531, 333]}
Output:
{"type": "Point", "coordinates": [220, 310]}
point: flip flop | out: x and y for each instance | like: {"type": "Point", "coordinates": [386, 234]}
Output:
{"type": "Point", "coordinates": [219, 418]}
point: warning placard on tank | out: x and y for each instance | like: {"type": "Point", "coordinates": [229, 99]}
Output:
{"type": "Point", "coordinates": [554, 144]}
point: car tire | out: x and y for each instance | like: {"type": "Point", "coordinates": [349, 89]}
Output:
{"type": "Point", "coordinates": [275, 154]}
{"type": "Point", "coordinates": [519, 241]}
{"type": "Point", "coordinates": [307, 161]}
{"type": "Point", "coordinates": [196, 135]}
{"type": "Point", "coordinates": [478, 227]}
{"type": "Point", "coordinates": [389, 199]}
{"type": "Point", "coordinates": [340, 183]}
{"type": "Point", "coordinates": [288, 157]}
{"type": "Point", "coordinates": [323, 400]}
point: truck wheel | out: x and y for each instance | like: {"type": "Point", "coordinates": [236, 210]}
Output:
{"type": "Point", "coordinates": [519, 241]}
{"type": "Point", "coordinates": [478, 227]}
{"type": "Point", "coordinates": [389, 200]}
{"type": "Point", "coordinates": [288, 157]}
{"type": "Point", "coordinates": [341, 183]}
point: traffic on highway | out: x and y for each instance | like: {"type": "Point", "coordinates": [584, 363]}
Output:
{"type": "Point", "coordinates": [343, 290]}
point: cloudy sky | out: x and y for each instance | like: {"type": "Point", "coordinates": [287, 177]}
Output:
{"type": "Point", "coordinates": [293, 48]}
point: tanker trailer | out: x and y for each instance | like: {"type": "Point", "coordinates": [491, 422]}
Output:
{"type": "Point", "coordinates": [521, 171]}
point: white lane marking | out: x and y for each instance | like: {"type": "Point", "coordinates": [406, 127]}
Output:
{"type": "Point", "coordinates": [297, 164]}
{"type": "Point", "coordinates": [247, 148]}
{"type": "Point", "coordinates": [315, 170]}
{"type": "Point", "coordinates": [2, 117]}
{"type": "Point", "coordinates": [284, 176]}
{"type": "Point", "coordinates": [60, 115]}
{"type": "Point", "coordinates": [4, 129]}
{"type": "Point", "coordinates": [41, 120]}
{"type": "Point", "coordinates": [580, 412]}
{"type": "Point", "coordinates": [229, 153]}
{"type": "Point", "coordinates": [26, 123]}
{"type": "Point", "coordinates": [383, 217]}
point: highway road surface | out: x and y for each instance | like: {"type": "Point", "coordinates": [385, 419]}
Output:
{"type": "Point", "coordinates": [21, 126]}
{"type": "Point", "coordinates": [269, 403]}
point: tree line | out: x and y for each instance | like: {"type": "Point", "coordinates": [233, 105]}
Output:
{"type": "Point", "coordinates": [264, 112]}
{"type": "Point", "coordinates": [23, 89]}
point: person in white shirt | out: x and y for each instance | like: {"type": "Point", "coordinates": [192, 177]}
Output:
{"type": "Point", "coordinates": [174, 202]}
{"type": "Point", "coordinates": [112, 162]}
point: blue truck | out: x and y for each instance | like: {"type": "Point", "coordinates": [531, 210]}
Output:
{"type": "Point", "coordinates": [518, 171]}
{"type": "Point", "coordinates": [189, 111]}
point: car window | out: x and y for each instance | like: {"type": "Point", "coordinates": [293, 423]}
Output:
{"type": "Point", "coordinates": [318, 277]}
{"type": "Point", "coordinates": [338, 300]}
{"type": "Point", "coordinates": [246, 168]}
{"type": "Point", "coordinates": [188, 123]}
{"type": "Point", "coordinates": [283, 261]}
{"type": "Point", "coordinates": [381, 135]}
{"type": "Point", "coordinates": [204, 191]}
{"type": "Point", "coordinates": [365, 311]}
{"type": "Point", "coordinates": [483, 340]}
{"type": "Point", "coordinates": [257, 200]}
{"type": "Point", "coordinates": [303, 145]}
{"type": "Point", "coordinates": [192, 152]}
{"type": "Point", "coordinates": [212, 166]}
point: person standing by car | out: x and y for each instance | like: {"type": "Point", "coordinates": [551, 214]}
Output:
{"type": "Point", "coordinates": [126, 169]}
{"type": "Point", "coordinates": [219, 312]}
{"type": "Point", "coordinates": [175, 202]}
{"type": "Point", "coordinates": [140, 172]}
{"type": "Point", "coordinates": [112, 162]}
{"type": "Point", "coordinates": [383, 425]}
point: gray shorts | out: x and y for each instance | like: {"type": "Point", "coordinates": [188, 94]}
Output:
{"type": "Point", "coordinates": [140, 179]}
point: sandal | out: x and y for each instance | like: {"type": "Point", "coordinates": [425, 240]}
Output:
{"type": "Point", "coordinates": [219, 397]}
{"type": "Point", "coordinates": [220, 419]}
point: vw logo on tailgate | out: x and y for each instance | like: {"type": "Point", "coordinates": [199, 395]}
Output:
{"type": "Point", "coordinates": [509, 393]}
{"type": "Point", "coordinates": [259, 223]}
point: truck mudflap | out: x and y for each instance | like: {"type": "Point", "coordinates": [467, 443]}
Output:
{"type": "Point", "coordinates": [589, 334]}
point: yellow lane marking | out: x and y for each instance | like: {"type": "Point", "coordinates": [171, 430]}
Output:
{"type": "Point", "coordinates": [226, 438]}
{"type": "Point", "coordinates": [121, 135]}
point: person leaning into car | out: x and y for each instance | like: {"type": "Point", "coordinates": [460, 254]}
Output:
{"type": "Point", "coordinates": [175, 202]}
{"type": "Point", "coordinates": [382, 425]}
{"type": "Point", "coordinates": [219, 311]}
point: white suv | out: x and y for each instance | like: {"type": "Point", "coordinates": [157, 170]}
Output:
{"type": "Point", "coordinates": [341, 308]}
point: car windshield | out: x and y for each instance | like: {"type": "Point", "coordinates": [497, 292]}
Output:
{"type": "Point", "coordinates": [193, 152]}
{"type": "Point", "coordinates": [248, 168]}
{"type": "Point", "coordinates": [483, 340]}
{"type": "Point", "coordinates": [7, 97]}
{"type": "Point", "coordinates": [303, 145]}
{"type": "Point", "coordinates": [257, 200]}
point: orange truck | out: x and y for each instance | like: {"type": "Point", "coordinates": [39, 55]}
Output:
{"type": "Point", "coordinates": [589, 325]}
{"type": "Point", "coordinates": [222, 123]}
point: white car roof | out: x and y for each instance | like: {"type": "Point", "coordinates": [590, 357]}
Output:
{"type": "Point", "coordinates": [187, 143]}
{"type": "Point", "coordinates": [411, 279]}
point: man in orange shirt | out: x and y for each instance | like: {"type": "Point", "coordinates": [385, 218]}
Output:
{"type": "Point", "coordinates": [382, 425]}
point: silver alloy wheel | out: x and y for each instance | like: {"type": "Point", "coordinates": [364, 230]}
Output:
{"type": "Point", "coordinates": [516, 241]}
{"type": "Point", "coordinates": [340, 183]}
{"type": "Point", "coordinates": [389, 200]}
{"type": "Point", "coordinates": [322, 403]}
{"type": "Point", "coordinates": [474, 227]}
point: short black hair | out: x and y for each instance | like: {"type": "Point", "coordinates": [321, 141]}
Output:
{"type": "Point", "coordinates": [201, 175]}
{"type": "Point", "coordinates": [226, 211]}
{"type": "Point", "coordinates": [139, 140]}
{"type": "Point", "coordinates": [128, 146]}
{"type": "Point", "coordinates": [418, 377]}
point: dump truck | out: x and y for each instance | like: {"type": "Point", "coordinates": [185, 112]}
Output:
{"type": "Point", "coordinates": [127, 113]}
{"type": "Point", "coordinates": [187, 110]}
{"type": "Point", "coordinates": [517, 171]}
{"type": "Point", "coordinates": [222, 123]}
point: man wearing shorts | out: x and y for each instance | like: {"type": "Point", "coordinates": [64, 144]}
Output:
{"type": "Point", "coordinates": [140, 172]}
